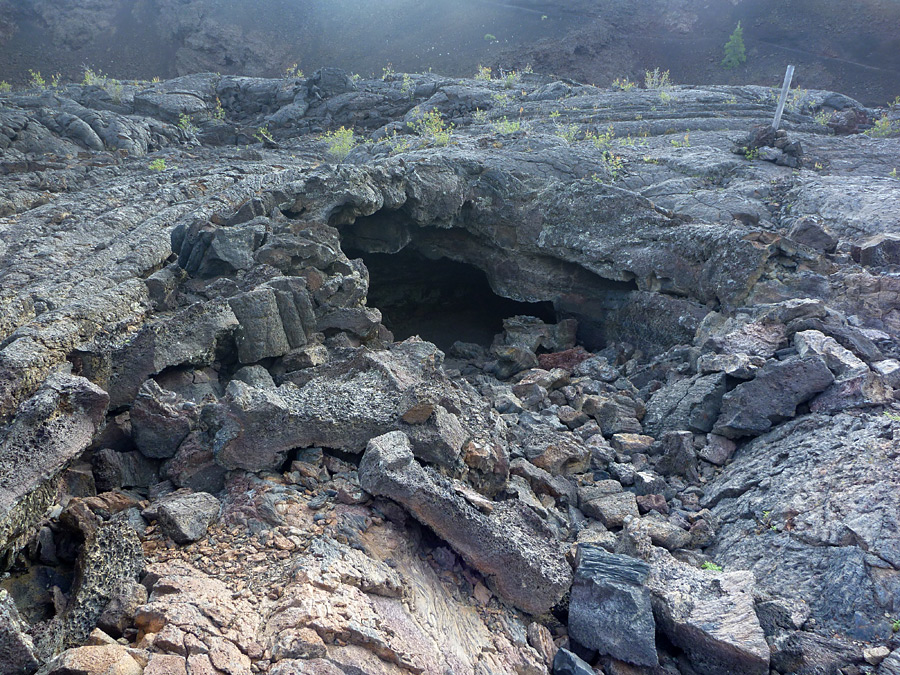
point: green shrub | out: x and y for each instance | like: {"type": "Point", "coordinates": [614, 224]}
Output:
{"type": "Point", "coordinates": [656, 79]}
{"type": "Point", "coordinates": [483, 73]}
{"type": "Point", "coordinates": [505, 126]}
{"type": "Point", "coordinates": [567, 132]}
{"type": "Point", "coordinates": [35, 80]}
{"type": "Point", "coordinates": [432, 127]}
{"type": "Point", "coordinates": [186, 124]}
{"type": "Point", "coordinates": [292, 72]}
{"type": "Point", "coordinates": [5, 87]}
{"type": "Point", "coordinates": [408, 87]}
{"type": "Point", "coordinates": [883, 128]}
{"type": "Point", "coordinates": [602, 140]}
{"type": "Point", "coordinates": [340, 142]}
{"type": "Point", "coordinates": [158, 164]}
{"type": "Point", "coordinates": [218, 112]}
{"type": "Point", "coordinates": [623, 84]}
{"type": "Point", "coordinates": [735, 53]}
{"type": "Point", "coordinates": [711, 566]}
{"type": "Point", "coordinates": [490, 38]}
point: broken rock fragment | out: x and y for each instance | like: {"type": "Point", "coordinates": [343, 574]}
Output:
{"type": "Point", "coordinates": [610, 608]}
{"type": "Point", "coordinates": [753, 407]}
{"type": "Point", "coordinates": [710, 615]}
{"type": "Point", "coordinates": [510, 545]}
{"type": "Point", "coordinates": [186, 518]}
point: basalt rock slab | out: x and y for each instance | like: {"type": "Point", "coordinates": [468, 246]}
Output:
{"type": "Point", "coordinates": [509, 545]}
{"type": "Point", "coordinates": [708, 615]}
{"type": "Point", "coordinates": [50, 430]}
{"type": "Point", "coordinates": [16, 646]}
{"type": "Point", "coordinates": [843, 525]}
{"type": "Point", "coordinates": [110, 563]}
{"type": "Point", "coordinates": [773, 395]}
{"type": "Point", "coordinates": [609, 606]}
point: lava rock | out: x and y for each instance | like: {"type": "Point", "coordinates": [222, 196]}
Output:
{"type": "Point", "coordinates": [186, 518]}
{"type": "Point", "coordinates": [753, 407]}
{"type": "Point", "coordinates": [567, 663]}
{"type": "Point", "coordinates": [517, 553]}
{"type": "Point", "coordinates": [609, 606]}
{"type": "Point", "coordinates": [691, 404]}
{"type": "Point", "coordinates": [122, 469]}
{"type": "Point", "coordinates": [16, 647]}
{"type": "Point", "coordinates": [708, 615]}
{"type": "Point", "coordinates": [160, 420]}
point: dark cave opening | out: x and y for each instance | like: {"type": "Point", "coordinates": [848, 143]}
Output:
{"type": "Point", "coordinates": [440, 300]}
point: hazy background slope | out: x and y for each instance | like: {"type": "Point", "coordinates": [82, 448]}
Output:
{"type": "Point", "coordinates": [851, 47]}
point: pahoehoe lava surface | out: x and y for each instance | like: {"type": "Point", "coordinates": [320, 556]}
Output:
{"type": "Point", "coordinates": [216, 458]}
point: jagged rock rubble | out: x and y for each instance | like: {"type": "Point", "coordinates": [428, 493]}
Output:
{"type": "Point", "coordinates": [215, 457]}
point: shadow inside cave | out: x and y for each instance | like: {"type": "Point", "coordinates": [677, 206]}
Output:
{"type": "Point", "coordinates": [440, 300]}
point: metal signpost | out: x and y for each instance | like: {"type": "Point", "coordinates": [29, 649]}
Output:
{"type": "Point", "coordinates": [788, 76]}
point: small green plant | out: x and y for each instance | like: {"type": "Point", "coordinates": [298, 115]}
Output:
{"type": "Point", "coordinates": [656, 79]}
{"type": "Point", "coordinates": [711, 567]}
{"type": "Point", "coordinates": [490, 38]}
{"type": "Point", "coordinates": [554, 115]}
{"type": "Point", "coordinates": [54, 80]}
{"type": "Point", "coordinates": [408, 87]}
{"type": "Point", "coordinates": [500, 98]}
{"type": "Point", "coordinates": [387, 73]}
{"type": "Point", "coordinates": [186, 124]}
{"type": "Point", "coordinates": [751, 153]}
{"type": "Point", "coordinates": [511, 79]}
{"type": "Point", "coordinates": [666, 98]}
{"type": "Point", "coordinates": [684, 143]}
{"type": "Point", "coordinates": [158, 164]}
{"type": "Point", "coordinates": [895, 626]}
{"type": "Point", "coordinates": [895, 104]}
{"type": "Point", "coordinates": [35, 80]}
{"type": "Point", "coordinates": [735, 52]}
{"type": "Point", "coordinates": [892, 416]}
{"type": "Point", "coordinates": [156, 79]}
{"type": "Point", "coordinates": [823, 118]}
{"type": "Point", "coordinates": [544, 17]}
{"type": "Point", "coordinates": [115, 90]}
{"type": "Point", "coordinates": [505, 126]}
{"type": "Point", "coordinates": [883, 128]}
{"type": "Point", "coordinates": [567, 132]}
{"type": "Point", "coordinates": [480, 116]}
{"type": "Point", "coordinates": [892, 173]}
{"type": "Point", "coordinates": [601, 139]}
{"type": "Point", "coordinates": [92, 78]}
{"type": "Point", "coordinates": [731, 100]}
{"type": "Point", "coordinates": [483, 73]}
{"type": "Point", "coordinates": [432, 127]}
{"type": "Point", "coordinates": [613, 164]}
{"type": "Point", "coordinates": [5, 87]}
{"type": "Point", "coordinates": [397, 143]}
{"type": "Point", "coordinates": [263, 135]}
{"type": "Point", "coordinates": [340, 142]}
{"type": "Point", "coordinates": [218, 112]}
{"type": "Point", "coordinates": [293, 72]}
{"type": "Point", "coordinates": [623, 84]}
{"type": "Point", "coordinates": [795, 100]}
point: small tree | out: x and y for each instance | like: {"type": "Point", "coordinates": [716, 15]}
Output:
{"type": "Point", "coordinates": [735, 53]}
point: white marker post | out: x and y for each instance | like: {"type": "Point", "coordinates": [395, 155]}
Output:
{"type": "Point", "coordinates": [785, 88]}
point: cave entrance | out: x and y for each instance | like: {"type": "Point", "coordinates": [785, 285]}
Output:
{"type": "Point", "coordinates": [440, 300]}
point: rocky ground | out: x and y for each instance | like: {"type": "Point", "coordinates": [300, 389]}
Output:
{"type": "Point", "coordinates": [216, 458]}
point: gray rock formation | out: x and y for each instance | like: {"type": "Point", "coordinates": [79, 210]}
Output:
{"type": "Point", "coordinates": [186, 518]}
{"type": "Point", "coordinates": [221, 340]}
{"type": "Point", "coordinates": [609, 606]}
{"type": "Point", "coordinates": [508, 544]}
